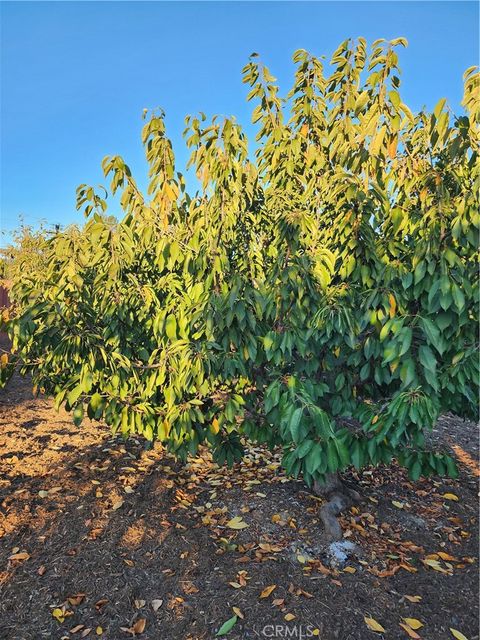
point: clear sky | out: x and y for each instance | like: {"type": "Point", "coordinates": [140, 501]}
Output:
{"type": "Point", "coordinates": [75, 76]}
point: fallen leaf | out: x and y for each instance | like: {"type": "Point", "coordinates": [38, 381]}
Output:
{"type": "Point", "coordinates": [458, 634]}
{"type": "Point", "coordinates": [373, 625]}
{"type": "Point", "coordinates": [23, 555]}
{"type": "Point", "coordinates": [43, 494]}
{"type": "Point", "coordinates": [413, 598]}
{"type": "Point", "coordinates": [41, 570]}
{"type": "Point", "coordinates": [268, 590]}
{"type": "Point", "coordinates": [289, 616]}
{"type": "Point", "coordinates": [117, 504]}
{"type": "Point", "coordinates": [446, 556]}
{"type": "Point", "coordinates": [156, 604]}
{"type": "Point", "coordinates": [397, 504]}
{"type": "Point", "coordinates": [235, 585]}
{"type": "Point", "coordinates": [59, 615]}
{"type": "Point", "coordinates": [85, 633]}
{"type": "Point", "coordinates": [226, 626]}
{"type": "Point", "coordinates": [99, 631]}
{"type": "Point", "coordinates": [237, 612]}
{"type": "Point", "coordinates": [236, 523]}
{"type": "Point", "coordinates": [77, 628]}
{"type": "Point", "coordinates": [413, 623]}
{"type": "Point", "coordinates": [450, 496]}
{"type": "Point", "coordinates": [410, 632]}
{"type": "Point", "coordinates": [128, 489]}
{"type": "Point", "coordinates": [350, 570]}
{"type": "Point", "coordinates": [139, 626]}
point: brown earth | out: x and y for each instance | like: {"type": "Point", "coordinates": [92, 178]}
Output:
{"type": "Point", "coordinates": [96, 533]}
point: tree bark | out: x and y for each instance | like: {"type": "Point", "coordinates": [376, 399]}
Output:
{"type": "Point", "coordinates": [339, 498]}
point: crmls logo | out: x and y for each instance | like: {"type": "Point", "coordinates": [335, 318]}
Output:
{"type": "Point", "coordinates": [299, 632]}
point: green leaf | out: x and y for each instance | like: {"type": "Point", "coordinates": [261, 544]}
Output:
{"type": "Point", "coordinates": [171, 327]}
{"type": "Point", "coordinates": [406, 337]}
{"type": "Point", "coordinates": [427, 358]}
{"type": "Point", "coordinates": [304, 448]}
{"type": "Point", "coordinates": [227, 626]}
{"type": "Point", "coordinates": [458, 297]}
{"type": "Point", "coordinates": [294, 424]}
{"type": "Point", "coordinates": [74, 394]}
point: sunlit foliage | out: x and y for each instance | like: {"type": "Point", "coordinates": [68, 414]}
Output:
{"type": "Point", "coordinates": [319, 292]}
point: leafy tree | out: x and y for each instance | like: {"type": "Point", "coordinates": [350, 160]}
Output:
{"type": "Point", "coordinates": [24, 253]}
{"type": "Point", "coordinates": [320, 294]}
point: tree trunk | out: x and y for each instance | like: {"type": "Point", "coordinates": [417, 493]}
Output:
{"type": "Point", "coordinates": [339, 498]}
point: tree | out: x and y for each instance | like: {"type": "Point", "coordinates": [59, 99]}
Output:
{"type": "Point", "coordinates": [321, 295]}
{"type": "Point", "coordinates": [24, 253]}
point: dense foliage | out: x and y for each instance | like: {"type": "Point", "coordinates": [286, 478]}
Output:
{"type": "Point", "coordinates": [25, 253]}
{"type": "Point", "coordinates": [319, 293]}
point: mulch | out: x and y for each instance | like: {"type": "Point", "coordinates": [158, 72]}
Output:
{"type": "Point", "coordinates": [101, 538]}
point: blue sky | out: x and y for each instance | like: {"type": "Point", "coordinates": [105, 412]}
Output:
{"type": "Point", "coordinates": [75, 77]}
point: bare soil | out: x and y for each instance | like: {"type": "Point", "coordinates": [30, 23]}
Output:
{"type": "Point", "coordinates": [101, 538]}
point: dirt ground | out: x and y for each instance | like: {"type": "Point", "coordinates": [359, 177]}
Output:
{"type": "Point", "coordinates": [102, 539]}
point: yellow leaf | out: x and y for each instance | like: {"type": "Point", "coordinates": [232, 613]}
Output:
{"type": "Point", "coordinates": [169, 191]}
{"type": "Point", "coordinates": [373, 625]}
{"type": "Point", "coordinates": [410, 632]}
{"type": "Point", "coordinates": [99, 631]}
{"type": "Point", "coordinates": [392, 147]}
{"type": "Point", "coordinates": [450, 496]}
{"type": "Point", "coordinates": [446, 556]}
{"type": "Point", "coordinates": [316, 632]}
{"type": "Point", "coordinates": [276, 517]}
{"type": "Point", "coordinates": [434, 564]}
{"type": "Point", "coordinates": [235, 585]}
{"type": "Point", "coordinates": [268, 590]}
{"type": "Point", "coordinates": [236, 523]}
{"type": "Point", "coordinates": [457, 634]}
{"type": "Point", "coordinates": [375, 419]}
{"type": "Point", "coordinates": [399, 505]}
{"type": "Point", "coordinates": [59, 615]}
{"type": "Point", "coordinates": [238, 612]}
{"type": "Point", "coordinates": [43, 494]}
{"type": "Point", "coordinates": [393, 305]}
{"type": "Point", "coordinates": [301, 559]}
{"type": "Point", "coordinates": [215, 427]}
{"type": "Point", "coordinates": [128, 489]}
{"type": "Point", "coordinates": [289, 616]}
{"type": "Point", "coordinates": [413, 623]}
{"type": "Point", "coordinates": [413, 598]}
{"type": "Point", "coordinates": [117, 504]}
{"type": "Point", "coordinates": [349, 570]}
